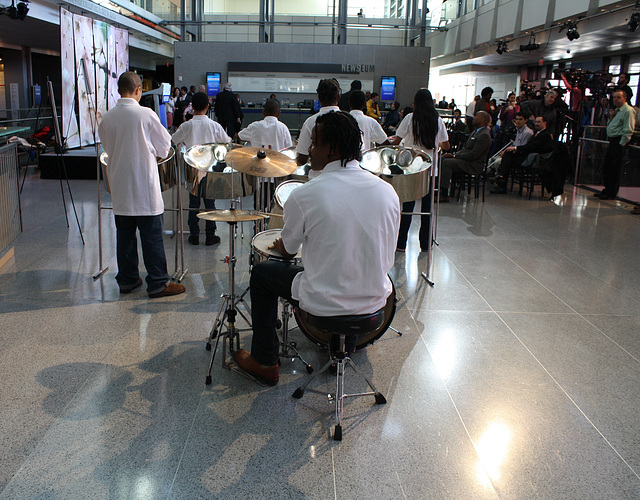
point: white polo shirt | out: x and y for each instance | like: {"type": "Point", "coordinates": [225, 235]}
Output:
{"type": "Point", "coordinates": [346, 220]}
{"type": "Point", "coordinates": [371, 130]}
{"type": "Point", "coordinates": [405, 130]}
{"type": "Point", "coordinates": [133, 137]}
{"type": "Point", "coordinates": [200, 130]}
{"type": "Point", "coordinates": [269, 133]}
{"type": "Point", "coordinates": [304, 140]}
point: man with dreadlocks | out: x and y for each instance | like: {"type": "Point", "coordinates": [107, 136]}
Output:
{"type": "Point", "coordinates": [346, 221]}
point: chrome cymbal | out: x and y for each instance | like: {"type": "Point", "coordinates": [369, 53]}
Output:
{"type": "Point", "coordinates": [231, 215]}
{"type": "Point", "coordinates": [261, 162]}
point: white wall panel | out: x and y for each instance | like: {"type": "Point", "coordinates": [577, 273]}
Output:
{"type": "Point", "coordinates": [568, 9]}
{"type": "Point", "coordinates": [534, 13]}
{"type": "Point", "coordinates": [483, 28]}
{"type": "Point", "coordinates": [507, 18]}
{"type": "Point", "coordinates": [466, 32]}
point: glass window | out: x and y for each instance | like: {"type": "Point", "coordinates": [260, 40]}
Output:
{"type": "Point", "coordinates": [233, 7]}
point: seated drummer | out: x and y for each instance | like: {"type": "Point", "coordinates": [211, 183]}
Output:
{"type": "Point", "coordinates": [346, 221]}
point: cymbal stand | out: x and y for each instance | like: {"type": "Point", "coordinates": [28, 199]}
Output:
{"type": "Point", "coordinates": [225, 323]}
{"type": "Point", "coordinates": [289, 348]}
{"type": "Point", "coordinates": [434, 209]}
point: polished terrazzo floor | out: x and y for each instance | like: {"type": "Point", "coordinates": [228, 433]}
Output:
{"type": "Point", "coordinates": [517, 375]}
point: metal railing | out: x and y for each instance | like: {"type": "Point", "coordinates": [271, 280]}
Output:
{"type": "Point", "coordinates": [10, 212]}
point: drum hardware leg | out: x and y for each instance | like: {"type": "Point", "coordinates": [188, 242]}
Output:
{"type": "Point", "coordinates": [299, 392]}
{"type": "Point", "coordinates": [289, 348]}
{"type": "Point", "coordinates": [217, 324]}
{"type": "Point", "coordinates": [397, 331]}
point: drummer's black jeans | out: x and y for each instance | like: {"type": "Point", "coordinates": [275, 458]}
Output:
{"type": "Point", "coordinates": [269, 280]}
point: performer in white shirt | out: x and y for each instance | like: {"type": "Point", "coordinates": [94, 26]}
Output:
{"type": "Point", "coordinates": [346, 221]}
{"type": "Point", "coordinates": [200, 130]}
{"type": "Point", "coordinates": [269, 133]}
{"type": "Point", "coordinates": [370, 128]}
{"type": "Point", "coordinates": [328, 94]}
{"type": "Point", "coordinates": [133, 137]}
{"type": "Point", "coordinates": [423, 129]}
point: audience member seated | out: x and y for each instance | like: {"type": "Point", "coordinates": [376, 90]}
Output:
{"type": "Point", "coordinates": [540, 143]}
{"type": "Point", "coordinates": [459, 130]}
{"type": "Point", "coordinates": [471, 158]}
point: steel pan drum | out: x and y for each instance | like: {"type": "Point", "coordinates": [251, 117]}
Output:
{"type": "Point", "coordinates": [302, 172]}
{"type": "Point", "coordinates": [166, 170]}
{"type": "Point", "coordinates": [408, 170]}
{"type": "Point", "coordinates": [281, 196]}
{"type": "Point", "coordinates": [322, 339]}
{"type": "Point", "coordinates": [209, 159]}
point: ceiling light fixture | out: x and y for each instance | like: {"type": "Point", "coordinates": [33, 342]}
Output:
{"type": "Point", "coordinates": [19, 12]}
{"type": "Point", "coordinates": [532, 45]}
{"type": "Point", "coordinates": [502, 47]}
{"type": "Point", "coordinates": [572, 30]}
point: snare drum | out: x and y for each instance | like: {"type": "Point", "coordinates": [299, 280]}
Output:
{"type": "Point", "coordinates": [261, 243]}
{"type": "Point", "coordinates": [322, 339]}
{"type": "Point", "coordinates": [281, 196]}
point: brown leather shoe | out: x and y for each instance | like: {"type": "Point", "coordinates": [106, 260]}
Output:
{"type": "Point", "coordinates": [267, 374]}
{"type": "Point", "coordinates": [171, 289]}
{"type": "Point", "coordinates": [636, 211]}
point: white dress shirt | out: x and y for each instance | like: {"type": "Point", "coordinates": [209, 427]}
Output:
{"type": "Point", "coordinates": [304, 140]}
{"type": "Point", "coordinates": [133, 137]}
{"type": "Point", "coordinates": [371, 130]}
{"type": "Point", "coordinates": [269, 133]}
{"type": "Point", "coordinates": [405, 130]}
{"type": "Point", "coordinates": [346, 220]}
{"type": "Point", "coordinates": [200, 130]}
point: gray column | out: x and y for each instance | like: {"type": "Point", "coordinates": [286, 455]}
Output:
{"type": "Point", "coordinates": [342, 22]}
{"type": "Point", "coordinates": [183, 18]}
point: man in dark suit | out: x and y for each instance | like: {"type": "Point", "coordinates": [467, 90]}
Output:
{"type": "Point", "coordinates": [343, 103]}
{"type": "Point", "coordinates": [228, 112]}
{"type": "Point", "coordinates": [471, 158]}
{"type": "Point", "coordinates": [541, 143]}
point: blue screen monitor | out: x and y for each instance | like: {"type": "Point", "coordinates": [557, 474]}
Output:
{"type": "Point", "coordinates": [213, 84]}
{"type": "Point", "coordinates": [388, 88]}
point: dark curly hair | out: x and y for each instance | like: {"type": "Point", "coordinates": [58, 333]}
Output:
{"type": "Point", "coordinates": [340, 130]}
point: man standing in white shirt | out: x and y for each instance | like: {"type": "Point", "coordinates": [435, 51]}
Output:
{"type": "Point", "coordinates": [269, 133]}
{"type": "Point", "coordinates": [328, 94]}
{"type": "Point", "coordinates": [345, 269]}
{"type": "Point", "coordinates": [133, 137]}
{"type": "Point", "coordinates": [200, 130]}
{"type": "Point", "coordinates": [370, 128]}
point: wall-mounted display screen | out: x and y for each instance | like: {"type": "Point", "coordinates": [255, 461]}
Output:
{"type": "Point", "coordinates": [388, 88]}
{"type": "Point", "coordinates": [213, 84]}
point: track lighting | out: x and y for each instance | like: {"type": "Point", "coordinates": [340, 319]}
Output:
{"type": "Point", "coordinates": [532, 45]}
{"type": "Point", "coordinates": [634, 22]}
{"type": "Point", "coordinates": [502, 47]}
{"type": "Point", "coordinates": [572, 30]}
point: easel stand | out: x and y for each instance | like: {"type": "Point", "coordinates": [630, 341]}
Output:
{"type": "Point", "coordinates": [62, 168]}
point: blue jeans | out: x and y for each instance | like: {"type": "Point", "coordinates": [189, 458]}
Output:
{"type": "Point", "coordinates": [209, 204]}
{"type": "Point", "coordinates": [150, 227]}
{"type": "Point", "coordinates": [269, 280]}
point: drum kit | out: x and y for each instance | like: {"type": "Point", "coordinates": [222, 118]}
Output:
{"type": "Point", "coordinates": [233, 171]}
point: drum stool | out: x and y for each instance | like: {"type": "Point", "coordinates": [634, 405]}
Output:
{"type": "Point", "coordinates": [343, 327]}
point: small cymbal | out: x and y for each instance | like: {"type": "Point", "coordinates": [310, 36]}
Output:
{"type": "Point", "coordinates": [231, 215]}
{"type": "Point", "coordinates": [261, 162]}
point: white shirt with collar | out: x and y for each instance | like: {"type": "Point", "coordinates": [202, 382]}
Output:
{"type": "Point", "coordinates": [371, 130]}
{"type": "Point", "coordinates": [269, 133]}
{"type": "Point", "coordinates": [405, 130]}
{"type": "Point", "coordinates": [346, 220]}
{"type": "Point", "coordinates": [304, 140]}
{"type": "Point", "coordinates": [133, 137]}
{"type": "Point", "coordinates": [199, 130]}
{"type": "Point", "coordinates": [523, 135]}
